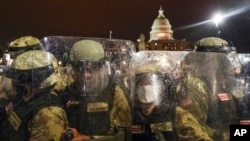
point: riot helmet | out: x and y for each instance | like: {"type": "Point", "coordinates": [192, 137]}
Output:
{"type": "Point", "coordinates": [87, 58]}
{"type": "Point", "coordinates": [23, 44]}
{"type": "Point", "coordinates": [149, 85]}
{"type": "Point", "coordinates": [212, 44]}
{"type": "Point", "coordinates": [35, 69]}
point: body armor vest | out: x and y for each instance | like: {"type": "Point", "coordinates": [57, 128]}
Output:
{"type": "Point", "coordinates": [90, 115]}
{"type": "Point", "coordinates": [158, 126]}
{"type": "Point", "coordinates": [18, 116]}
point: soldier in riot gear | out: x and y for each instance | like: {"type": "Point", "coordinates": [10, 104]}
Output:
{"type": "Point", "coordinates": [35, 113]}
{"type": "Point", "coordinates": [26, 43]}
{"type": "Point", "coordinates": [16, 47]}
{"type": "Point", "coordinates": [208, 84]}
{"type": "Point", "coordinates": [96, 105]}
{"type": "Point", "coordinates": [156, 116]}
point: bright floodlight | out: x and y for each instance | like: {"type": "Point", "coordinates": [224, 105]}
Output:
{"type": "Point", "coordinates": [218, 18]}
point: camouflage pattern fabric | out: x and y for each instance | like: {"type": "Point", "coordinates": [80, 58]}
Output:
{"type": "Point", "coordinates": [212, 42]}
{"type": "Point", "coordinates": [6, 87]}
{"type": "Point", "coordinates": [24, 41]}
{"type": "Point", "coordinates": [64, 80]}
{"type": "Point", "coordinates": [214, 72]}
{"type": "Point", "coordinates": [214, 69]}
{"type": "Point", "coordinates": [193, 96]}
{"type": "Point", "coordinates": [191, 88]}
{"type": "Point", "coordinates": [48, 124]}
{"type": "Point", "coordinates": [34, 59]}
{"type": "Point", "coordinates": [120, 114]}
{"type": "Point", "coordinates": [188, 128]}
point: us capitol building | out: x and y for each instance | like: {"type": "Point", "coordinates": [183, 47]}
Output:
{"type": "Point", "coordinates": [161, 37]}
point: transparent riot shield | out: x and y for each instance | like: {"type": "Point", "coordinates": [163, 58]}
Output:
{"type": "Point", "coordinates": [155, 75]}
{"type": "Point", "coordinates": [97, 101]}
{"type": "Point", "coordinates": [210, 86]}
{"type": "Point", "coordinates": [243, 87]}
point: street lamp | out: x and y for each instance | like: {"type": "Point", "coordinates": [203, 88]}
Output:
{"type": "Point", "coordinates": [217, 19]}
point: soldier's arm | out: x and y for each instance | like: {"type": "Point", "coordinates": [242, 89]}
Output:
{"type": "Point", "coordinates": [188, 128]}
{"type": "Point", "coordinates": [48, 124]}
{"type": "Point", "coordinates": [120, 113]}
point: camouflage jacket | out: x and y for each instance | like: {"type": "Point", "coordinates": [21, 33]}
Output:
{"type": "Point", "coordinates": [188, 128]}
{"type": "Point", "coordinates": [41, 118]}
{"type": "Point", "coordinates": [120, 113]}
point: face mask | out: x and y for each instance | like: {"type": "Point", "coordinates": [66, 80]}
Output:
{"type": "Point", "coordinates": [148, 93]}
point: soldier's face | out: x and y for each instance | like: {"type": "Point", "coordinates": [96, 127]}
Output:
{"type": "Point", "coordinates": [20, 87]}
{"type": "Point", "coordinates": [91, 79]}
{"type": "Point", "coordinates": [149, 88]}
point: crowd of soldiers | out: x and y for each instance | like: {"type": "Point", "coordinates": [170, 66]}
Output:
{"type": "Point", "coordinates": [83, 99]}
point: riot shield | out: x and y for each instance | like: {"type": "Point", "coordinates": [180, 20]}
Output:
{"type": "Point", "coordinates": [155, 75]}
{"type": "Point", "coordinates": [243, 86]}
{"type": "Point", "coordinates": [98, 105]}
{"type": "Point", "coordinates": [211, 81]}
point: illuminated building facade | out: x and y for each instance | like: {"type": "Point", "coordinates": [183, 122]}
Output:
{"type": "Point", "coordinates": [161, 37]}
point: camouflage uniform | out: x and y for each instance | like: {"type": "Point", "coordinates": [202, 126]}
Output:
{"type": "Point", "coordinates": [188, 128]}
{"type": "Point", "coordinates": [164, 120]}
{"type": "Point", "coordinates": [16, 47]}
{"type": "Point", "coordinates": [48, 124]}
{"type": "Point", "coordinates": [34, 113]}
{"type": "Point", "coordinates": [6, 87]}
{"type": "Point", "coordinates": [193, 96]}
{"type": "Point", "coordinates": [120, 114]}
{"type": "Point", "coordinates": [208, 85]}
{"type": "Point", "coordinates": [101, 108]}
{"type": "Point", "coordinates": [27, 43]}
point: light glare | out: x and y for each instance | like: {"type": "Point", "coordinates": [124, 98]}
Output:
{"type": "Point", "coordinates": [218, 18]}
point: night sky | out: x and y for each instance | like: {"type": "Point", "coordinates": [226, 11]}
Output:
{"type": "Point", "coordinates": [125, 18]}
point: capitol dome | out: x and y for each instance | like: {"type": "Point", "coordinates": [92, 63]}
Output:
{"type": "Point", "coordinates": [161, 28]}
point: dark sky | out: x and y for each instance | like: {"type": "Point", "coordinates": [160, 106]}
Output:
{"type": "Point", "coordinates": [126, 18]}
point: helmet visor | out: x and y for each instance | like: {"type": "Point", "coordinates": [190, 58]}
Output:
{"type": "Point", "coordinates": [149, 88]}
{"type": "Point", "coordinates": [90, 78]}
{"type": "Point", "coordinates": [32, 76]}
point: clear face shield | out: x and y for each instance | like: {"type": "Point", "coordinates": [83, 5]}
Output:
{"type": "Point", "coordinates": [91, 78]}
{"type": "Point", "coordinates": [25, 80]}
{"type": "Point", "coordinates": [149, 89]}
